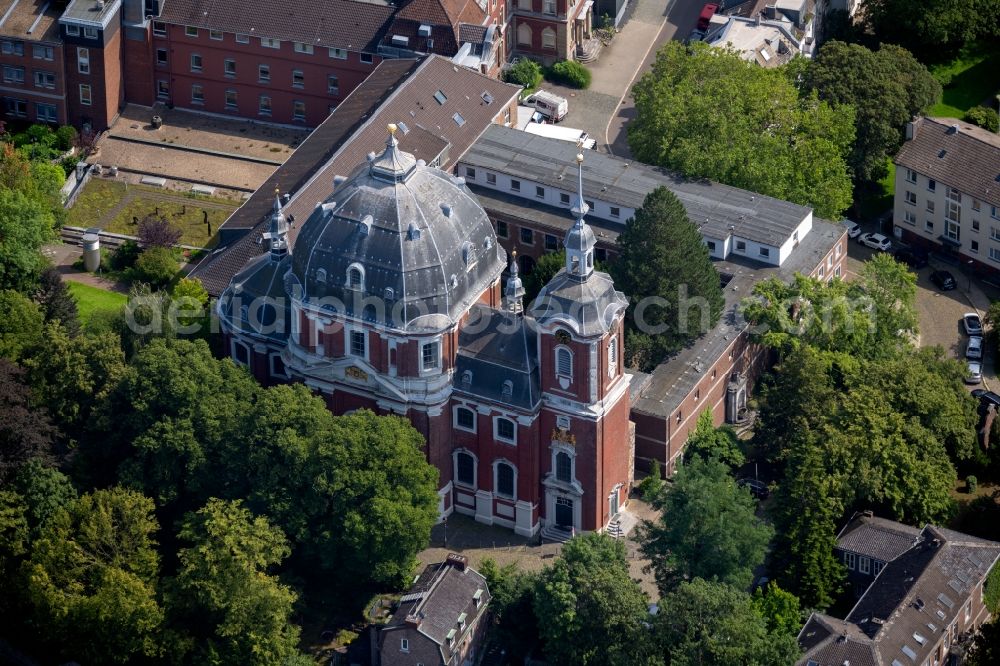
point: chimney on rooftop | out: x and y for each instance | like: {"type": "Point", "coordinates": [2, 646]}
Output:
{"type": "Point", "coordinates": [911, 129]}
{"type": "Point", "coordinates": [457, 561]}
{"type": "Point", "coordinates": [953, 129]}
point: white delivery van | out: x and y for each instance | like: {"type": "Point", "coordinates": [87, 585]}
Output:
{"type": "Point", "coordinates": [550, 105]}
{"type": "Point", "coordinates": [577, 136]}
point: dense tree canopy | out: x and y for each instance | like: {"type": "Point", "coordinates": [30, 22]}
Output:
{"type": "Point", "coordinates": [29, 203]}
{"type": "Point", "coordinates": [886, 88]}
{"type": "Point", "coordinates": [21, 323]}
{"type": "Point", "coordinates": [591, 612]}
{"type": "Point", "coordinates": [713, 624]}
{"type": "Point", "coordinates": [26, 431]}
{"type": "Point", "coordinates": [933, 29]}
{"type": "Point", "coordinates": [710, 443]}
{"type": "Point", "coordinates": [91, 579]}
{"type": "Point", "coordinates": [56, 302]}
{"type": "Point", "coordinates": [663, 266]}
{"type": "Point", "coordinates": [707, 530]}
{"type": "Point", "coordinates": [708, 113]}
{"type": "Point", "coordinates": [231, 609]}
{"type": "Point", "coordinates": [870, 317]}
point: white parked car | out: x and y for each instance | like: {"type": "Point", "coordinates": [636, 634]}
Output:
{"type": "Point", "coordinates": [975, 349]}
{"type": "Point", "coordinates": [972, 323]}
{"type": "Point", "coordinates": [853, 228]}
{"type": "Point", "coordinates": [975, 373]}
{"type": "Point", "coordinates": [876, 242]}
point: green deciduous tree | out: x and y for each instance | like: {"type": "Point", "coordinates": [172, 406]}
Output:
{"type": "Point", "coordinates": [156, 266]}
{"type": "Point", "coordinates": [780, 610]}
{"type": "Point", "coordinates": [165, 424]}
{"type": "Point", "coordinates": [73, 376]}
{"type": "Point", "coordinates": [886, 88]}
{"type": "Point", "coordinates": [871, 317]}
{"type": "Point", "coordinates": [703, 623]}
{"type": "Point", "coordinates": [21, 322]}
{"type": "Point", "coordinates": [708, 529]}
{"type": "Point", "coordinates": [711, 443]}
{"type": "Point", "coordinates": [512, 607]}
{"type": "Point", "coordinates": [26, 223]}
{"type": "Point", "coordinates": [934, 29]}
{"type": "Point", "coordinates": [545, 269]}
{"type": "Point", "coordinates": [985, 650]}
{"type": "Point", "coordinates": [91, 579]}
{"type": "Point", "coordinates": [664, 267]}
{"type": "Point", "coordinates": [224, 605]}
{"type": "Point", "coordinates": [591, 612]}
{"type": "Point", "coordinates": [377, 499]}
{"type": "Point", "coordinates": [708, 113]}
{"type": "Point", "coordinates": [45, 491]}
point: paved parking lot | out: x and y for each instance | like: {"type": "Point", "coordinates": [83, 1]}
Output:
{"type": "Point", "coordinates": [940, 312]}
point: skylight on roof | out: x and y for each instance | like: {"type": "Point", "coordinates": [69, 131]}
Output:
{"type": "Point", "coordinates": [908, 651]}
{"type": "Point", "coordinates": [459, 120]}
{"type": "Point", "coordinates": [488, 98]}
{"type": "Point", "coordinates": [943, 598]}
{"type": "Point", "coordinates": [440, 97]}
{"type": "Point", "coordinates": [918, 638]}
{"type": "Point", "coordinates": [403, 127]}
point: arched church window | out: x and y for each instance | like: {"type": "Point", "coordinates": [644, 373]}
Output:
{"type": "Point", "coordinates": [465, 469]}
{"type": "Point", "coordinates": [564, 467]}
{"type": "Point", "coordinates": [505, 479]}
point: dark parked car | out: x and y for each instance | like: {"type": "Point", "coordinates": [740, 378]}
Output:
{"type": "Point", "coordinates": [912, 257]}
{"type": "Point", "coordinates": [944, 280]}
{"type": "Point", "coordinates": [987, 397]}
{"type": "Point", "coordinates": [757, 488]}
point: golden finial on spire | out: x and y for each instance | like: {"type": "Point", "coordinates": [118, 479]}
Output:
{"type": "Point", "coordinates": [393, 129]}
{"type": "Point", "coordinates": [513, 253]}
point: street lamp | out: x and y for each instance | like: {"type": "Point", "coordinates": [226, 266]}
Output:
{"type": "Point", "coordinates": [969, 275]}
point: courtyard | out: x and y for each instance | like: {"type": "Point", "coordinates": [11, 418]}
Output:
{"type": "Point", "coordinates": [117, 206]}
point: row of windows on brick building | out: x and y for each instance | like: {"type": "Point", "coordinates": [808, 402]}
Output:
{"type": "Point", "coordinates": [298, 78]}
{"type": "Point", "coordinates": [160, 30]}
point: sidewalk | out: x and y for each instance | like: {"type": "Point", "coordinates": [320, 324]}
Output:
{"type": "Point", "coordinates": [592, 110]}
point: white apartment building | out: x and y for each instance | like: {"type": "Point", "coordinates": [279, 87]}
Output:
{"type": "Point", "coordinates": [948, 191]}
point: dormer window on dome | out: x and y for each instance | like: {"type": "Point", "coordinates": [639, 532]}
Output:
{"type": "Point", "coordinates": [356, 278]}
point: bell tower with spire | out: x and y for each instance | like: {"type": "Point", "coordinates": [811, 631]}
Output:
{"type": "Point", "coordinates": [585, 415]}
{"type": "Point", "coordinates": [513, 293]}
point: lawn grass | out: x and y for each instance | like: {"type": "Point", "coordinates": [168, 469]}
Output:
{"type": "Point", "coordinates": [100, 198]}
{"type": "Point", "coordinates": [975, 78]}
{"type": "Point", "coordinates": [92, 300]}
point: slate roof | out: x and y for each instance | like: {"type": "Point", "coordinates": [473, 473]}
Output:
{"type": "Point", "coordinates": [424, 244]}
{"type": "Point", "coordinates": [441, 593]}
{"type": "Point", "coordinates": [589, 307]}
{"type": "Point", "coordinates": [476, 34]}
{"type": "Point", "coordinates": [713, 207]}
{"type": "Point", "coordinates": [496, 347]}
{"type": "Point", "coordinates": [905, 610]}
{"type": "Point", "coordinates": [967, 159]}
{"type": "Point", "coordinates": [357, 25]}
{"type": "Point", "coordinates": [877, 538]}
{"type": "Point", "coordinates": [398, 91]}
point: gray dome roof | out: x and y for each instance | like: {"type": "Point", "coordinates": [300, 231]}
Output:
{"type": "Point", "coordinates": [398, 243]}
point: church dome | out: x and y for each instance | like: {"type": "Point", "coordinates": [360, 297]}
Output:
{"type": "Point", "coordinates": [398, 243]}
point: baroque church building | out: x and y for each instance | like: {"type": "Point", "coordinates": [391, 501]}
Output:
{"type": "Point", "coordinates": [390, 297]}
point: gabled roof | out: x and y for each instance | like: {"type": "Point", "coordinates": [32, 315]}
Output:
{"type": "Point", "coordinates": [877, 538]}
{"type": "Point", "coordinates": [406, 95]}
{"type": "Point", "coordinates": [955, 153]}
{"type": "Point", "coordinates": [443, 12]}
{"type": "Point", "coordinates": [356, 25]}
{"type": "Point", "coordinates": [910, 604]}
{"type": "Point", "coordinates": [442, 594]}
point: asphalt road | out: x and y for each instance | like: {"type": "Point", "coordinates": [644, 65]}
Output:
{"type": "Point", "coordinates": [682, 15]}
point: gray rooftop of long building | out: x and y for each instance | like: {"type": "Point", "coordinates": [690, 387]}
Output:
{"type": "Point", "coordinates": [718, 210]}
{"type": "Point", "coordinates": [673, 380]}
{"type": "Point", "coordinates": [878, 538]}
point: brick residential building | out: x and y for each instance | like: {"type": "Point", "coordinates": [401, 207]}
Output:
{"type": "Point", "coordinates": [948, 192]}
{"type": "Point", "coordinates": [551, 30]}
{"type": "Point", "coordinates": [31, 54]}
{"type": "Point", "coordinates": [922, 606]}
{"type": "Point", "coordinates": [439, 621]}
